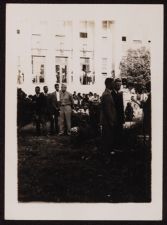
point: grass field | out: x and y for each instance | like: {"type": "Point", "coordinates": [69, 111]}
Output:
{"type": "Point", "coordinates": [52, 169]}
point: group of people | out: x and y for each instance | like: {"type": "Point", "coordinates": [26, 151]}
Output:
{"type": "Point", "coordinates": [57, 112]}
{"type": "Point", "coordinates": [113, 115]}
{"type": "Point", "coordinates": [58, 107]}
{"type": "Point", "coordinates": [55, 108]}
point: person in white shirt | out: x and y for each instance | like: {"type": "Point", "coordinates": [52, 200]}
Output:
{"type": "Point", "coordinates": [66, 106]}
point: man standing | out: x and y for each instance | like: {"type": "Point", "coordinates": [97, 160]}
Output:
{"type": "Point", "coordinates": [118, 100]}
{"type": "Point", "coordinates": [66, 105]}
{"type": "Point", "coordinates": [37, 101]}
{"type": "Point", "coordinates": [55, 107]}
{"type": "Point", "coordinates": [108, 117]}
{"type": "Point", "coordinates": [46, 112]}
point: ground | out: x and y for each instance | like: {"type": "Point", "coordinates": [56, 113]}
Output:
{"type": "Point", "coordinates": [52, 169]}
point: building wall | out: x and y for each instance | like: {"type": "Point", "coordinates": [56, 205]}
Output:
{"type": "Point", "coordinates": [71, 49]}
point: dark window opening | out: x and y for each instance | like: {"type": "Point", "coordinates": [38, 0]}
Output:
{"type": "Point", "coordinates": [123, 38]}
{"type": "Point", "coordinates": [83, 35]}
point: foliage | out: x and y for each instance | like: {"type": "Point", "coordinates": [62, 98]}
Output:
{"type": "Point", "coordinates": [135, 66]}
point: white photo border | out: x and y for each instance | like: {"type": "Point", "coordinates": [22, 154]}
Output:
{"type": "Point", "coordinates": [84, 211]}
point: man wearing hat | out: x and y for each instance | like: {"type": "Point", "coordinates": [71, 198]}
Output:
{"type": "Point", "coordinates": [66, 105]}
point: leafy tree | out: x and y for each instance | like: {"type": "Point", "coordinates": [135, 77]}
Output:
{"type": "Point", "coordinates": [135, 66]}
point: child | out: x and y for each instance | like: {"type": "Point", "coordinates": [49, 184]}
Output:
{"type": "Point", "coordinates": [129, 112]}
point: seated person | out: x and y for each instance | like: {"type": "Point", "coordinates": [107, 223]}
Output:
{"type": "Point", "coordinates": [76, 116]}
{"type": "Point", "coordinates": [75, 99]}
{"type": "Point", "coordinates": [90, 96]}
{"type": "Point", "coordinates": [74, 94]}
{"type": "Point", "coordinates": [85, 100]}
{"type": "Point", "coordinates": [84, 110]}
{"type": "Point", "coordinates": [95, 97]}
{"type": "Point", "coordinates": [79, 98]}
{"type": "Point", "coordinates": [76, 109]}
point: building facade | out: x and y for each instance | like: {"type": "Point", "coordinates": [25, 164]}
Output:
{"type": "Point", "coordinates": [79, 53]}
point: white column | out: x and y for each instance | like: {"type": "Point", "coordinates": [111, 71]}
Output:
{"type": "Point", "coordinates": [113, 45]}
{"type": "Point", "coordinates": [51, 54]}
{"type": "Point", "coordinates": [99, 82]}
{"type": "Point", "coordinates": [25, 41]}
{"type": "Point", "coordinates": [75, 64]}
{"type": "Point", "coordinates": [118, 47]}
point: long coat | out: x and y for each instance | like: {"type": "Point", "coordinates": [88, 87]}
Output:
{"type": "Point", "coordinates": [108, 121]}
{"type": "Point", "coordinates": [37, 103]}
{"type": "Point", "coordinates": [119, 106]}
{"type": "Point", "coordinates": [108, 110]}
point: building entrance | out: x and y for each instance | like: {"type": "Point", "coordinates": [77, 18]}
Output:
{"type": "Point", "coordinates": [38, 69]}
{"type": "Point", "coordinates": [87, 76]}
{"type": "Point", "coordinates": [61, 69]}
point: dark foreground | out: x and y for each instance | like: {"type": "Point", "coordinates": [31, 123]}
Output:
{"type": "Point", "coordinates": [52, 169]}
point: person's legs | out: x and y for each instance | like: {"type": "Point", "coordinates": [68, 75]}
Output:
{"type": "Point", "coordinates": [118, 136]}
{"type": "Point", "coordinates": [43, 121]}
{"type": "Point", "coordinates": [68, 118]}
{"type": "Point", "coordinates": [61, 120]}
{"type": "Point", "coordinates": [51, 120]}
{"type": "Point", "coordinates": [38, 125]}
{"type": "Point", "coordinates": [107, 140]}
{"type": "Point", "coordinates": [56, 116]}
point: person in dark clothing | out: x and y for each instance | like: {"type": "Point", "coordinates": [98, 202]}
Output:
{"type": "Point", "coordinates": [24, 111]}
{"type": "Point", "coordinates": [108, 117]}
{"type": "Point", "coordinates": [129, 113]}
{"type": "Point", "coordinates": [79, 99]}
{"type": "Point", "coordinates": [37, 101]}
{"type": "Point", "coordinates": [85, 100]}
{"type": "Point", "coordinates": [75, 98]}
{"type": "Point", "coordinates": [119, 106]}
{"type": "Point", "coordinates": [46, 111]}
{"type": "Point", "coordinates": [55, 108]}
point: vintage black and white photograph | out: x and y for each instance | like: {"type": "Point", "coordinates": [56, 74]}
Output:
{"type": "Point", "coordinates": [82, 83]}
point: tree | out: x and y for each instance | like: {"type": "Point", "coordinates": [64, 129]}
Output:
{"type": "Point", "coordinates": [135, 65]}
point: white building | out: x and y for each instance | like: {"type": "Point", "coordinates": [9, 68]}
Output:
{"type": "Point", "coordinates": [78, 51]}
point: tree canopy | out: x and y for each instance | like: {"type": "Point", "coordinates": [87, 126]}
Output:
{"type": "Point", "coordinates": [135, 66]}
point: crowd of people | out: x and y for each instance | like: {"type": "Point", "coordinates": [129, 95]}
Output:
{"type": "Point", "coordinates": [57, 112]}
{"type": "Point", "coordinates": [60, 112]}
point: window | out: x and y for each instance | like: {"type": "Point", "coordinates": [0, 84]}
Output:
{"type": "Point", "coordinates": [20, 77]}
{"type": "Point", "coordinates": [63, 36]}
{"type": "Point", "coordinates": [123, 38]}
{"type": "Point", "coordinates": [38, 69]}
{"type": "Point", "coordinates": [137, 41]}
{"type": "Point", "coordinates": [87, 77]}
{"type": "Point", "coordinates": [104, 24]}
{"type": "Point", "coordinates": [61, 69]}
{"type": "Point", "coordinates": [20, 74]}
{"type": "Point", "coordinates": [83, 35]}
{"type": "Point", "coordinates": [104, 66]}
{"type": "Point", "coordinates": [36, 41]}
{"type": "Point", "coordinates": [106, 28]}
